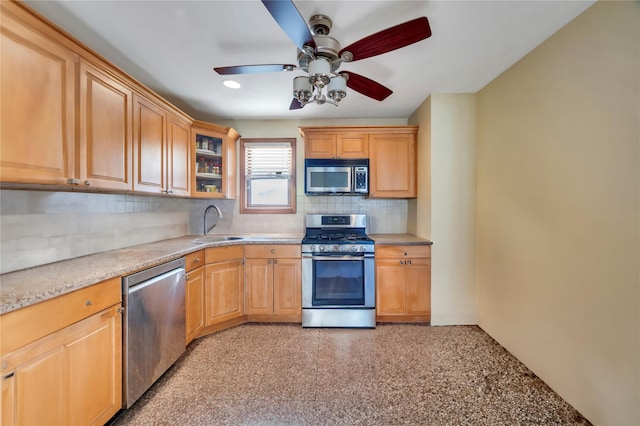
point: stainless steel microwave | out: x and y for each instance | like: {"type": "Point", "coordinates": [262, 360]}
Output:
{"type": "Point", "coordinates": [336, 177]}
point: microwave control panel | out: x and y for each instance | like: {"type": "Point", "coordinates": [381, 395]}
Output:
{"type": "Point", "coordinates": [360, 179]}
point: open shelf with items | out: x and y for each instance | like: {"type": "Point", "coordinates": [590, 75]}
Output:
{"type": "Point", "coordinates": [215, 160]}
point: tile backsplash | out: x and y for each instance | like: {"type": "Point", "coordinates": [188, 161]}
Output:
{"type": "Point", "coordinates": [39, 227]}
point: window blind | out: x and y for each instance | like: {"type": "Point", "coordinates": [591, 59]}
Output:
{"type": "Point", "coordinates": [268, 159]}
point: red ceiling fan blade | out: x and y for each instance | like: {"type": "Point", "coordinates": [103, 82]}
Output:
{"type": "Point", "coordinates": [292, 23]}
{"type": "Point", "coordinates": [253, 69]}
{"type": "Point", "coordinates": [390, 39]}
{"type": "Point", "coordinates": [367, 87]}
{"type": "Point", "coordinates": [295, 104]}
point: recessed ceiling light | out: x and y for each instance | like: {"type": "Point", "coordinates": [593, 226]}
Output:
{"type": "Point", "coordinates": [232, 84]}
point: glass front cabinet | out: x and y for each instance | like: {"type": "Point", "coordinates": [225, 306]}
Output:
{"type": "Point", "coordinates": [214, 149]}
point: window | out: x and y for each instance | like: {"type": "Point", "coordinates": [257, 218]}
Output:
{"type": "Point", "coordinates": [268, 175]}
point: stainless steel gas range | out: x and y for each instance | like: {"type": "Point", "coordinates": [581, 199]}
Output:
{"type": "Point", "coordinates": [338, 281]}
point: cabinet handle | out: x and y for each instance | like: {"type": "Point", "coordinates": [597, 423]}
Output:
{"type": "Point", "coordinates": [73, 181]}
{"type": "Point", "coordinates": [8, 376]}
{"type": "Point", "coordinates": [169, 191]}
{"type": "Point", "coordinates": [88, 303]}
{"type": "Point", "coordinates": [409, 262]}
{"type": "Point", "coordinates": [402, 262]}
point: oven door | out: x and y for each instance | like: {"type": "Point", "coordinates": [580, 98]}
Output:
{"type": "Point", "coordinates": [338, 281]}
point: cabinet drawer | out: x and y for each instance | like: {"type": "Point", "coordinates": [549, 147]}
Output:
{"type": "Point", "coordinates": [221, 254]}
{"type": "Point", "coordinates": [194, 260]}
{"type": "Point", "coordinates": [395, 251]}
{"type": "Point", "coordinates": [270, 251]}
{"type": "Point", "coordinates": [29, 324]}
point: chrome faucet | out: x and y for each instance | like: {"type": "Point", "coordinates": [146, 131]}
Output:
{"type": "Point", "coordinates": [206, 212]}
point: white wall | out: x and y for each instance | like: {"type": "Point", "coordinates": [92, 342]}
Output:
{"type": "Point", "coordinates": [447, 208]}
{"type": "Point", "coordinates": [558, 212]}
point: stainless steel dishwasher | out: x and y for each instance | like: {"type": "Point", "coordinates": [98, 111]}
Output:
{"type": "Point", "coordinates": [154, 325]}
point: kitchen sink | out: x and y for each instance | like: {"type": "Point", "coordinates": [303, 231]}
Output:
{"type": "Point", "coordinates": [215, 239]}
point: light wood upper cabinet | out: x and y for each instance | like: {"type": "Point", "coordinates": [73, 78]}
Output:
{"type": "Point", "coordinates": [214, 161]}
{"type": "Point", "coordinates": [105, 130]}
{"type": "Point", "coordinates": [37, 106]}
{"type": "Point", "coordinates": [392, 164]}
{"type": "Point", "coordinates": [334, 143]}
{"type": "Point", "coordinates": [178, 173]}
{"type": "Point", "coordinates": [161, 154]}
{"type": "Point", "coordinates": [403, 283]}
{"type": "Point", "coordinates": [391, 150]}
{"type": "Point", "coordinates": [149, 124]}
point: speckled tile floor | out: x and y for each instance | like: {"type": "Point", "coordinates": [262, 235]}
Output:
{"type": "Point", "coordinates": [280, 374]}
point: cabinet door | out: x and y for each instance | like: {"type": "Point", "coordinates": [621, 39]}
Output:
{"type": "Point", "coordinates": [259, 286]}
{"type": "Point", "coordinates": [418, 287]}
{"type": "Point", "coordinates": [392, 162]}
{"type": "Point", "coordinates": [40, 392]}
{"type": "Point", "coordinates": [105, 130]}
{"type": "Point", "coordinates": [320, 146]}
{"type": "Point", "coordinates": [73, 376]}
{"type": "Point", "coordinates": [390, 287]}
{"type": "Point", "coordinates": [287, 279]}
{"type": "Point", "coordinates": [93, 356]}
{"type": "Point", "coordinates": [7, 409]}
{"type": "Point", "coordinates": [352, 145]}
{"type": "Point", "coordinates": [149, 124]}
{"type": "Point", "coordinates": [194, 300]}
{"type": "Point", "coordinates": [178, 156]}
{"type": "Point", "coordinates": [37, 105]}
{"type": "Point", "coordinates": [223, 291]}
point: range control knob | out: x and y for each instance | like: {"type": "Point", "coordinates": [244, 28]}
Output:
{"type": "Point", "coordinates": [362, 248]}
{"type": "Point", "coordinates": [354, 248]}
{"type": "Point", "coordinates": [321, 248]}
{"type": "Point", "coordinates": [343, 248]}
{"type": "Point", "coordinates": [312, 248]}
{"type": "Point", "coordinates": [336, 248]}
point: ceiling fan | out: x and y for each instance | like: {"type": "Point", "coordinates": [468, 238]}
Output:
{"type": "Point", "coordinates": [321, 55]}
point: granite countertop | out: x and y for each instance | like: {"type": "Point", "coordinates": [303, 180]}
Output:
{"type": "Point", "coordinates": [401, 239]}
{"type": "Point", "coordinates": [29, 286]}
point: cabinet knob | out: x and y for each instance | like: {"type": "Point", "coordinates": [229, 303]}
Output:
{"type": "Point", "coordinates": [73, 181]}
{"type": "Point", "coordinates": [120, 310]}
{"type": "Point", "coordinates": [87, 183]}
{"type": "Point", "coordinates": [88, 303]}
{"type": "Point", "coordinates": [196, 260]}
{"type": "Point", "coordinates": [273, 251]}
{"type": "Point", "coordinates": [187, 278]}
{"type": "Point", "coordinates": [409, 262]}
{"type": "Point", "coordinates": [275, 261]}
{"type": "Point", "coordinates": [269, 262]}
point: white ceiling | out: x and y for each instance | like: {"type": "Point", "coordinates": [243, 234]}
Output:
{"type": "Point", "coordinates": [171, 46]}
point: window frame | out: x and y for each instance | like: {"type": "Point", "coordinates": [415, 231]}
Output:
{"type": "Point", "coordinates": [246, 209]}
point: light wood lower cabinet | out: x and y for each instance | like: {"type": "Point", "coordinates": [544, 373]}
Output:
{"type": "Point", "coordinates": [403, 283]}
{"type": "Point", "coordinates": [224, 278]}
{"type": "Point", "coordinates": [73, 376]}
{"type": "Point", "coordinates": [194, 294]}
{"type": "Point", "coordinates": [273, 281]}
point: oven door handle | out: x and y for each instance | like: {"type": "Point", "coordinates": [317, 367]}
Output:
{"type": "Point", "coordinates": [334, 257]}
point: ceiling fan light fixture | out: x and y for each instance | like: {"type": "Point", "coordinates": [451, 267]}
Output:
{"type": "Point", "coordinates": [319, 72]}
{"type": "Point", "coordinates": [337, 89]}
{"type": "Point", "coordinates": [302, 89]}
